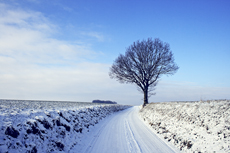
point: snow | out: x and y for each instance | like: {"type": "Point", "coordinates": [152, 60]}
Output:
{"type": "Point", "coordinates": [191, 126]}
{"type": "Point", "coordinates": [39, 126]}
{"type": "Point", "coordinates": [122, 132]}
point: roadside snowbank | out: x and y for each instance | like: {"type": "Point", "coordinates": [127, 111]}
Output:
{"type": "Point", "coordinates": [48, 130]}
{"type": "Point", "coordinates": [191, 126]}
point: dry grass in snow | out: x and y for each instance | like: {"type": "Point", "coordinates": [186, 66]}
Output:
{"type": "Point", "coordinates": [191, 126]}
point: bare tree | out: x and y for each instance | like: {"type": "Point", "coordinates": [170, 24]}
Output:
{"type": "Point", "coordinates": [143, 64]}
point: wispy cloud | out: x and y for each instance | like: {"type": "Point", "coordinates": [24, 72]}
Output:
{"type": "Point", "coordinates": [36, 65]}
{"type": "Point", "coordinates": [95, 35]}
{"type": "Point", "coordinates": [21, 19]}
{"type": "Point", "coordinates": [27, 36]}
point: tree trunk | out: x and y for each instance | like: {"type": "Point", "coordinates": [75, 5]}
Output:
{"type": "Point", "coordinates": [145, 97]}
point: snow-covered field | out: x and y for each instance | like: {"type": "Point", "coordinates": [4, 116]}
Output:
{"type": "Point", "coordinates": [39, 126]}
{"type": "Point", "coordinates": [191, 126]}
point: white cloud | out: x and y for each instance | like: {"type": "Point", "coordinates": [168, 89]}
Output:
{"type": "Point", "coordinates": [27, 36]}
{"type": "Point", "coordinates": [82, 82]}
{"type": "Point", "coordinates": [96, 35]}
{"type": "Point", "coordinates": [36, 65]}
{"type": "Point", "coordinates": [188, 91]}
{"type": "Point", "coordinates": [21, 19]}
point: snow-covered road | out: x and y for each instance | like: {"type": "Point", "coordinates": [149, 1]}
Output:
{"type": "Point", "coordinates": [122, 132]}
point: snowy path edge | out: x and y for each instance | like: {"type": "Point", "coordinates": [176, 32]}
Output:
{"type": "Point", "coordinates": [49, 130]}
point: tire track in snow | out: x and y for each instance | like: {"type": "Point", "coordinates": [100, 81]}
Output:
{"type": "Point", "coordinates": [94, 140]}
{"type": "Point", "coordinates": [134, 147]}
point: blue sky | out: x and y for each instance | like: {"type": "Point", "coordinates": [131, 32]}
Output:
{"type": "Point", "coordinates": [62, 50]}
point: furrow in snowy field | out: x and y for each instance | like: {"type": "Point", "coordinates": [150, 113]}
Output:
{"type": "Point", "coordinates": [47, 129]}
{"type": "Point", "coordinates": [191, 126]}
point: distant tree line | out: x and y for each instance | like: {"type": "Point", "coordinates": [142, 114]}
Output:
{"type": "Point", "coordinates": [104, 101]}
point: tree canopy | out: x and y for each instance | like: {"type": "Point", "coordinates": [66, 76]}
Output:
{"type": "Point", "coordinates": [143, 64]}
